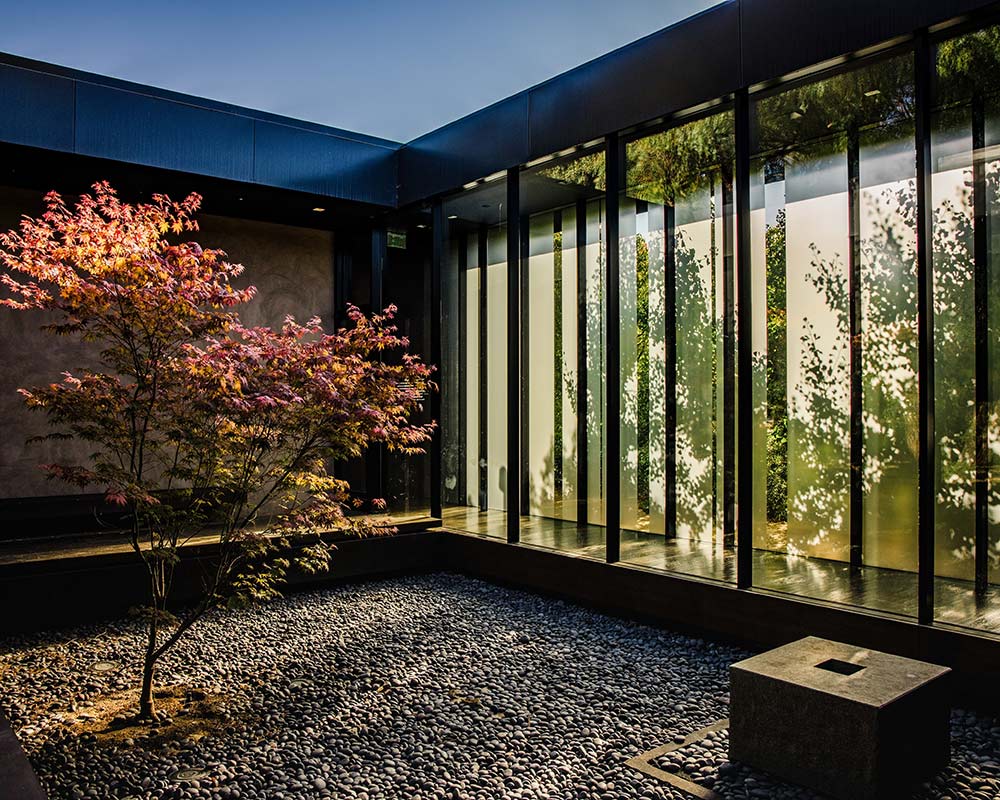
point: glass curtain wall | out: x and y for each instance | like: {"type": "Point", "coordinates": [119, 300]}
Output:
{"type": "Point", "coordinates": [834, 333]}
{"type": "Point", "coordinates": [474, 361]}
{"type": "Point", "coordinates": [676, 246]}
{"type": "Point", "coordinates": [563, 336]}
{"type": "Point", "coordinates": [835, 338]}
{"type": "Point", "coordinates": [965, 158]}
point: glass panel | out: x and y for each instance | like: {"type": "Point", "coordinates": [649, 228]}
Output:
{"type": "Point", "coordinates": [965, 158]}
{"type": "Point", "coordinates": [494, 384]}
{"type": "Point", "coordinates": [676, 252]}
{"type": "Point", "coordinates": [596, 366]}
{"type": "Point", "coordinates": [474, 361]}
{"type": "Point", "coordinates": [562, 322]}
{"type": "Point", "coordinates": [889, 362]}
{"type": "Point", "coordinates": [549, 409]}
{"type": "Point", "coordinates": [834, 241]}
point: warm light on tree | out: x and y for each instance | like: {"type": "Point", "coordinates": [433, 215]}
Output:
{"type": "Point", "coordinates": [199, 425]}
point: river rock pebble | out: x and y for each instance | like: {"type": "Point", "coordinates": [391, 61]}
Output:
{"type": "Point", "coordinates": [437, 686]}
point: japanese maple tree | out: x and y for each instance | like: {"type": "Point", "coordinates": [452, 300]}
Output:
{"type": "Point", "coordinates": [200, 426]}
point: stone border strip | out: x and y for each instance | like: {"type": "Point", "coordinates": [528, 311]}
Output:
{"type": "Point", "coordinates": [642, 763]}
{"type": "Point", "coordinates": [17, 779]}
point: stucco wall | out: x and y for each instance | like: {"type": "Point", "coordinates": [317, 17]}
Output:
{"type": "Point", "coordinates": [292, 269]}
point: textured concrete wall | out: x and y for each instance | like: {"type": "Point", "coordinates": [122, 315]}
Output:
{"type": "Point", "coordinates": [29, 358]}
{"type": "Point", "coordinates": [292, 269]}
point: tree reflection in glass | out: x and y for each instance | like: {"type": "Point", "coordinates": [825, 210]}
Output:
{"type": "Point", "coordinates": [834, 239]}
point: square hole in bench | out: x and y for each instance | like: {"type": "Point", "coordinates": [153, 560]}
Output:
{"type": "Point", "coordinates": [840, 667]}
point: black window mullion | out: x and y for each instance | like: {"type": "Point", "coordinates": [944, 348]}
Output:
{"type": "Point", "coordinates": [461, 385]}
{"type": "Point", "coordinates": [514, 465]}
{"type": "Point", "coordinates": [612, 399]}
{"type": "Point", "coordinates": [924, 65]}
{"type": "Point", "coordinates": [582, 478]}
{"type": "Point", "coordinates": [523, 339]}
{"type": "Point", "coordinates": [856, 524]}
{"type": "Point", "coordinates": [744, 343]}
{"type": "Point", "coordinates": [728, 370]}
{"type": "Point", "coordinates": [670, 369]}
{"type": "Point", "coordinates": [484, 428]}
{"type": "Point", "coordinates": [981, 243]}
{"type": "Point", "coordinates": [557, 350]}
{"type": "Point", "coordinates": [439, 233]}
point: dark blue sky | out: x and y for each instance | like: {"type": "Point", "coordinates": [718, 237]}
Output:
{"type": "Point", "coordinates": [388, 68]}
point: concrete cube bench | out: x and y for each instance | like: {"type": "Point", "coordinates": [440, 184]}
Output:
{"type": "Point", "coordinates": [852, 723]}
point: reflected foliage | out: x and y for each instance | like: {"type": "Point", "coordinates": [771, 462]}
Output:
{"type": "Point", "coordinates": [968, 65]}
{"type": "Point", "coordinates": [678, 169]}
{"type": "Point", "coordinates": [776, 372]}
{"type": "Point", "coordinates": [668, 166]}
{"type": "Point", "coordinates": [587, 171]}
{"type": "Point", "coordinates": [810, 120]}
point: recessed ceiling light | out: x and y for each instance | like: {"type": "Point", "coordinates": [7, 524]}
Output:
{"type": "Point", "coordinates": [453, 216]}
{"type": "Point", "coordinates": [421, 225]}
{"type": "Point", "coordinates": [319, 209]}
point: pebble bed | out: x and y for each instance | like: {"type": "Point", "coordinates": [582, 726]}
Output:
{"type": "Point", "coordinates": [420, 687]}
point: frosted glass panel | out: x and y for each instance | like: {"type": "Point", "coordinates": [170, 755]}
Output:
{"type": "Point", "coordinates": [496, 375]}
{"type": "Point", "coordinates": [562, 375]}
{"type": "Point", "coordinates": [889, 362]}
{"type": "Point", "coordinates": [550, 396]}
{"type": "Point", "coordinates": [818, 376]}
{"type": "Point", "coordinates": [834, 251]}
{"type": "Point", "coordinates": [760, 234]}
{"type": "Point", "coordinates": [953, 197]}
{"type": "Point", "coordinates": [651, 229]}
{"type": "Point", "coordinates": [631, 514]}
{"type": "Point", "coordinates": [596, 366]}
{"type": "Point", "coordinates": [965, 158]}
{"type": "Point", "coordinates": [954, 362]}
{"type": "Point", "coordinates": [540, 331]}
{"type": "Point", "coordinates": [699, 363]}
{"type": "Point", "coordinates": [641, 264]}
{"type": "Point", "coordinates": [474, 361]}
{"type": "Point", "coordinates": [567, 358]}
{"type": "Point", "coordinates": [674, 231]}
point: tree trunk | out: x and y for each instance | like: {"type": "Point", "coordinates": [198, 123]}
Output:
{"type": "Point", "coordinates": [146, 693]}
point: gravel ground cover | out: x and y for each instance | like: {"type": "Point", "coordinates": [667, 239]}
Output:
{"type": "Point", "coordinates": [421, 687]}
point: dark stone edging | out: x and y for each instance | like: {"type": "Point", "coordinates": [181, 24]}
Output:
{"type": "Point", "coordinates": [17, 778]}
